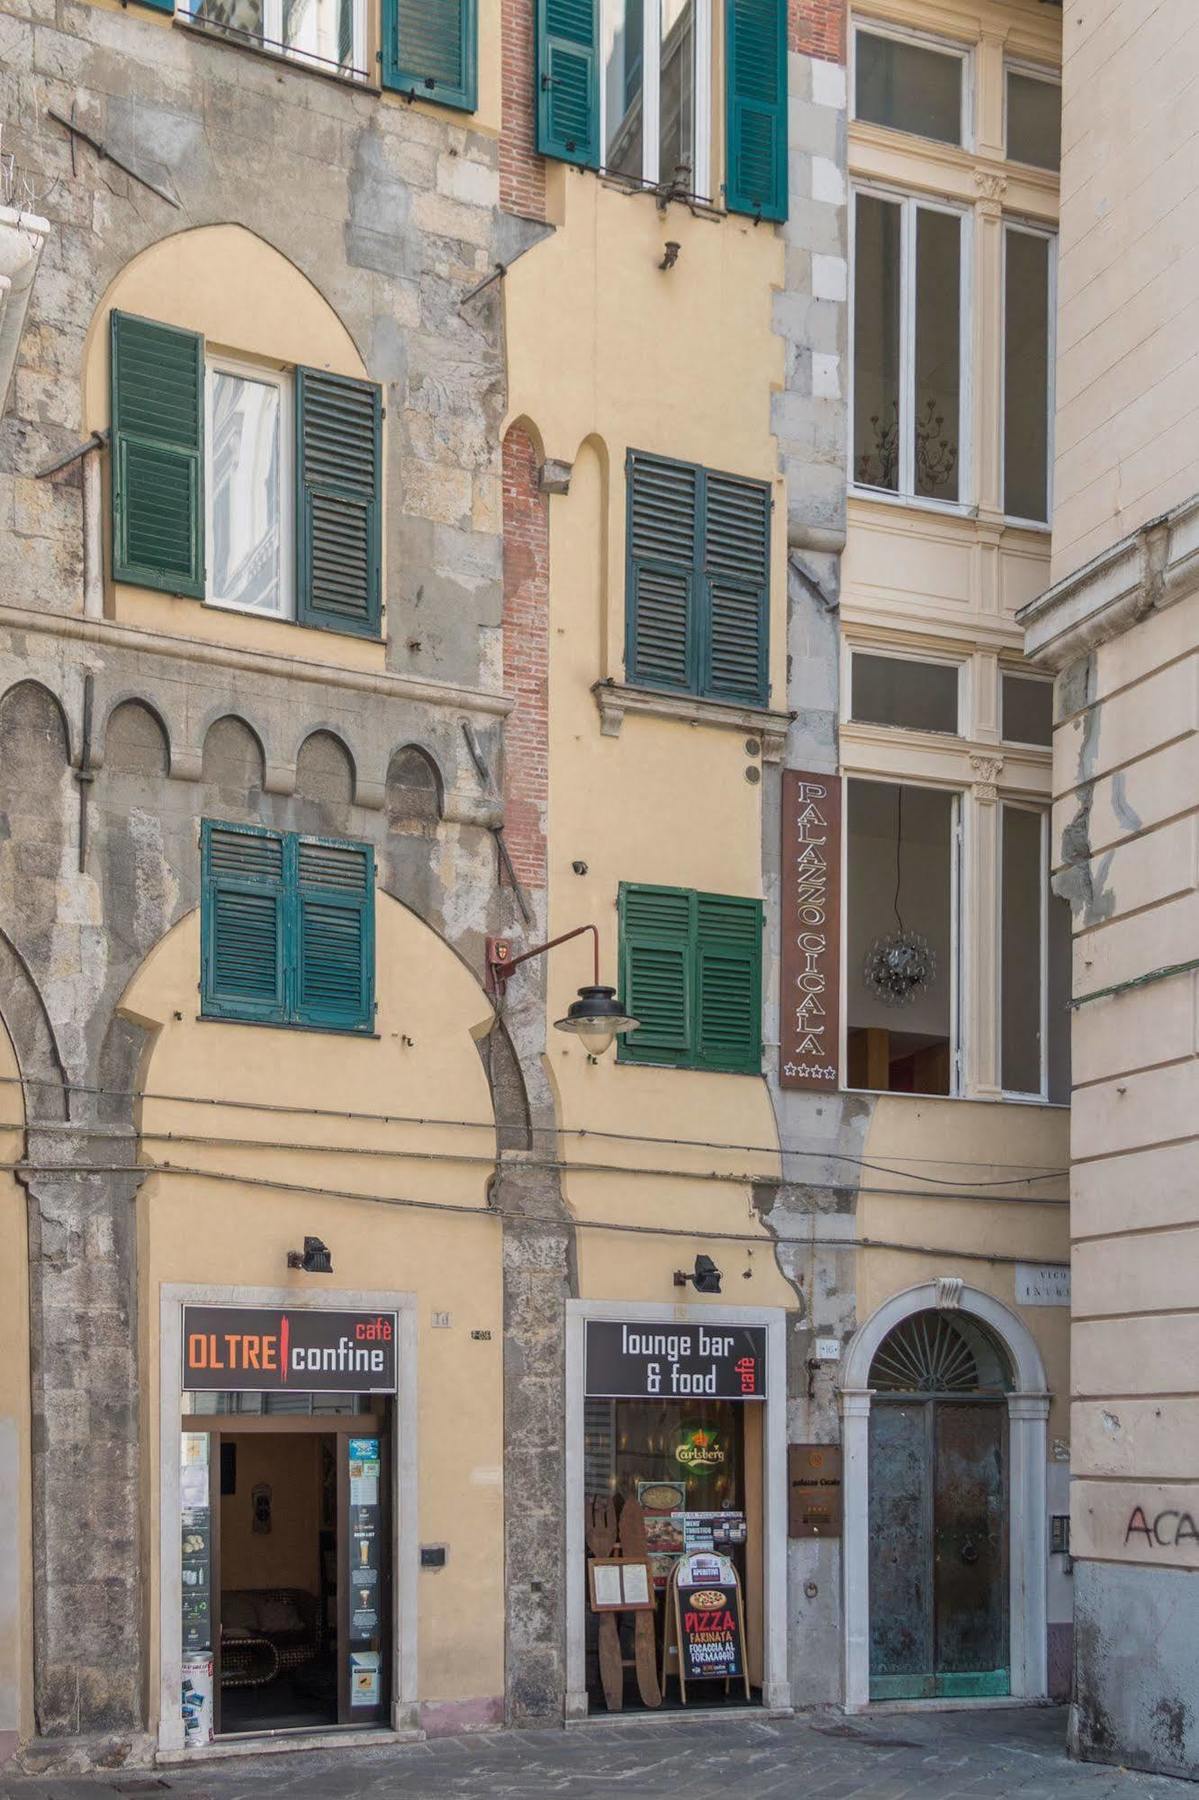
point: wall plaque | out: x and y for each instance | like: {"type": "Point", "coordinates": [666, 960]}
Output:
{"type": "Point", "coordinates": [814, 1490]}
{"type": "Point", "coordinates": [809, 992]}
{"type": "Point", "coordinates": [1042, 1284]}
{"type": "Point", "coordinates": [652, 1361]}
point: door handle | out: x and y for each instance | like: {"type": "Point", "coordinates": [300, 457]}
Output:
{"type": "Point", "coordinates": [969, 1551]}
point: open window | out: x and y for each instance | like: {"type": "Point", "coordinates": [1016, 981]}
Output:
{"type": "Point", "coordinates": [1034, 963]}
{"type": "Point", "coordinates": [326, 34]}
{"type": "Point", "coordinates": [902, 933]}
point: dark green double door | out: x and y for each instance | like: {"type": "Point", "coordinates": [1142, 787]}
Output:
{"type": "Point", "coordinates": [938, 1549]}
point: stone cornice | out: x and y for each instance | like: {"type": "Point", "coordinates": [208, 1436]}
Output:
{"type": "Point", "coordinates": [615, 700]}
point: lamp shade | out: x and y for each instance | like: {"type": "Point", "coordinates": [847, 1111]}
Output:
{"type": "Point", "coordinates": [597, 1016]}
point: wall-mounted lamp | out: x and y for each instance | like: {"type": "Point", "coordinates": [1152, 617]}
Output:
{"type": "Point", "coordinates": [314, 1258]}
{"type": "Point", "coordinates": [597, 1016]}
{"type": "Point", "coordinates": [670, 254]}
{"type": "Point", "coordinates": [706, 1277]}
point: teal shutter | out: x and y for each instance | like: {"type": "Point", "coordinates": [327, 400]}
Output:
{"type": "Point", "coordinates": [338, 456]}
{"type": "Point", "coordinates": [737, 579]}
{"type": "Point", "coordinates": [429, 50]}
{"type": "Point", "coordinates": [664, 503]}
{"type": "Point", "coordinates": [157, 411]}
{"type": "Point", "coordinates": [656, 964]}
{"type": "Point", "coordinates": [756, 57]}
{"type": "Point", "coordinates": [729, 983]}
{"type": "Point", "coordinates": [242, 923]}
{"type": "Point", "coordinates": [334, 935]}
{"type": "Point", "coordinates": [567, 77]}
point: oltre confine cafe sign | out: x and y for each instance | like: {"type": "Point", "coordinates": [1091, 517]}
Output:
{"type": "Point", "coordinates": [260, 1349]}
{"type": "Point", "coordinates": [654, 1361]}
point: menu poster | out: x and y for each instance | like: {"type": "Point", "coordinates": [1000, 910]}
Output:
{"type": "Point", "coordinates": [197, 1700]}
{"type": "Point", "coordinates": [365, 1666]}
{"type": "Point", "coordinates": [708, 1619]}
{"type": "Point", "coordinates": [195, 1521]}
{"type": "Point", "coordinates": [364, 1572]}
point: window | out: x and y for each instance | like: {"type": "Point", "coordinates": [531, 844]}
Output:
{"type": "Point", "coordinates": [287, 928]}
{"type": "Point", "coordinates": [1034, 119]}
{"type": "Point", "coordinates": [241, 485]}
{"type": "Point", "coordinates": [1034, 971]}
{"type": "Point", "coordinates": [1028, 307]}
{"type": "Point", "coordinates": [656, 78]}
{"type": "Point", "coordinates": [907, 85]}
{"type": "Point", "coordinates": [249, 480]}
{"type": "Point", "coordinates": [901, 878]}
{"type": "Point", "coordinates": [691, 973]}
{"type": "Point", "coordinates": [892, 690]}
{"type": "Point", "coordinates": [698, 580]}
{"type": "Point", "coordinates": [328, 34]}
{"type": "Point", "coordinates": [626, 85]}
{"type": "Point", "coordinates": [909, 287]}
{"type": "Point", "coordinates": [1027, 707]}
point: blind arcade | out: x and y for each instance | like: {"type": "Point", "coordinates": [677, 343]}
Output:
{"type": "Point", "coordinates": [638, 1361]}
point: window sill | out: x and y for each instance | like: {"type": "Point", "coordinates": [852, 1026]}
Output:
{"type": "Point", "coordinates": [614, 700]}
{"type": "Point", "coordinates": [340, 1031]}
{"type": "Point", "coordinates": [358, 83]}
{"type": "Point", "coordinates": [925, 503]}
{"type": "Point", "coordinates": [685, 1068]}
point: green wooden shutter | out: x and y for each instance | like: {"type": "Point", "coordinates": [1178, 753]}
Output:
{"type": "Point", "coordinates": [242, 922]}
{"type": "Point", "coordinates": [157, 399]}
{"type": "Point", "coordinates": [664, 507]}
{"type": "Point", "coordinates": [756, 55]}
{"type": "Point", "coordinates": [729, 983]}
{"type": "Point", "coordinates": [736, 558]}
{"type": "Point", "coordinates": [567, 77]}
{"type": "Point", "coordinates": [656, 963]}
{"type": "Point", "coordinates": [333, 936]}
{"type": "Point", "coordinates": [338, 457]}
{"type": "Point", "coordinates": [429, 50]}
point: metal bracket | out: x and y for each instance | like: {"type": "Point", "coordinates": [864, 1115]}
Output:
{"type": "Point", "coordinates": [77, 131]}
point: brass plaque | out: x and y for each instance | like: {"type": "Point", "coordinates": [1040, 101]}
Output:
{"type": "Point", "coordinates": [814, 1490]}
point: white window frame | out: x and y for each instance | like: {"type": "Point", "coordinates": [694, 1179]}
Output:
{"type": "Point", "coordinates": [887, 654]}
{"type": "Point", "coordinates": [911, 205]}
{"type": "Point", "coordinates": [1021, 675]}
{"type": "Point", "coordinates": [923, 40]}
{"type": "Point", "coordinates": [957, 933]}
{"type": "Point", "coordinates": [651, 95]}
{"type": "Point", "coordinates": [1041, 1097]}
{"type": "Point", "coordinates": [284, 382]}
{"type": "Point", "coordinates": [1034, 72]}
{"type": "Point", "coordinates": [270, 38]}
{"type": "Point", "coordinates": [1050, 236]}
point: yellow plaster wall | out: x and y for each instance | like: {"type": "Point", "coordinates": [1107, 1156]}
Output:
{"type": "Point", "coordinates": [200, 1228]}
{"type": "Point", "coordinates": [16, 1599]}
{"type": "Point", "coordinates": [606, 353]}
{"type": "Point", "coordinates": [250, 302]}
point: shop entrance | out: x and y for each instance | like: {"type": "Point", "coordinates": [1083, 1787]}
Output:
{"type": "Point", "coordinates": [285, 1520]}
{"type": "Point", "coordinates": [939, 1512]}
{"type": "Point", "coordinates": [672, 1483]}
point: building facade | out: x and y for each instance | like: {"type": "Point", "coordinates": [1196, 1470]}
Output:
{"type": "Point", "coordinates": [476, 476]}
{"type": "Point", "coordinates": [1118, 627]}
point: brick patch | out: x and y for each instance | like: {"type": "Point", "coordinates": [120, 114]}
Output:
{"type": "Point", "coordinates": [522, 171]}
{"type": "Point", "coordinates": [817, 28]}
{"type": "Point", "coordinates": [526, 658]}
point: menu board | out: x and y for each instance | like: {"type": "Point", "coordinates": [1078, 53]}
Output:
{"type": "Point", "coordinates": [709, 1623]}
{"type": "Point", "coordinates": [195, 1521]}
{"type": "Point", "coordinates": [364, 1573]}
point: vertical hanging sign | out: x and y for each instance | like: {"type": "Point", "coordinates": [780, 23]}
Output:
{"type": "Point", "coordinates": [810, 962]}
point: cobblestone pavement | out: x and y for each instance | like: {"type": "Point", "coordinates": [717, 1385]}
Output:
{"type": "Point", "coordinates": [945, 1756]}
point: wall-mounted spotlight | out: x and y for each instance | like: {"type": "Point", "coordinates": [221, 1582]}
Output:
{"type": "Point", "coordinates": [670, 254]}
{"type": "Point", "coordinates": [314, 1258]}
{"type": "Point", "coordinates": [706, 1277]}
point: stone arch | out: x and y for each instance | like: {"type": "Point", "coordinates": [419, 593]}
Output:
{"type": "Point", "coordinates": [136, 741]}
{"type": "Point", "coordinates": [31, 1034]}
{"type": "Point", "coordinates": [415, 792]}
{"type": "Point", "coordinates": [34, 733]}
{"type": "Point", "coordinates": [1028, 1416]}
{"type": "Point", "coordinates": [325, 769]}
{"type": "Point", "coordinates": [233, 759]}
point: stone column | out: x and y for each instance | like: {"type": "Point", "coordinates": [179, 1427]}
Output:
{"type": "Point", "coordinates": [88, 1624]}
{"type": "Point", "coordinates": [1028, 1416]}
{"type": "Point", "coordinates": [855, 1543]}
{"type": "Point", "coordinates": [979, 929]}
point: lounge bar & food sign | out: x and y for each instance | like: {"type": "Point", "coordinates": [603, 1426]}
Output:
{"type": "Point", "coordinates": [654, 1361]}
{"type": "Point", "coordinates": [809, 994]}
{"type": "Point", "coordinates": [259, 1349]}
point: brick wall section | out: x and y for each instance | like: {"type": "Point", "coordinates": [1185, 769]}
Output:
{"type": "Point", "coordinates": [526, 658]}
{"type": "Point", "coordinates": [817, 28]}
{"type": "Point", "coordinates": [522, 171]}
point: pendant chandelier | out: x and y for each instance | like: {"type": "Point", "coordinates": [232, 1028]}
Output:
{"type": "Point", "coordinates": [901, 965]}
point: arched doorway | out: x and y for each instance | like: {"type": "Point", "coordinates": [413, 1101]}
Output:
{"type": "Point", "coordinates": [939, 1507]}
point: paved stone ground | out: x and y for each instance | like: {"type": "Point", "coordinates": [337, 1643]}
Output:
{"type": "Point", "coordinates": [945, 1756]}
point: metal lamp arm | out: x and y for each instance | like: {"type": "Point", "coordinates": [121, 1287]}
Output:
{"type": "Point", "coordinates": [502, 967]}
